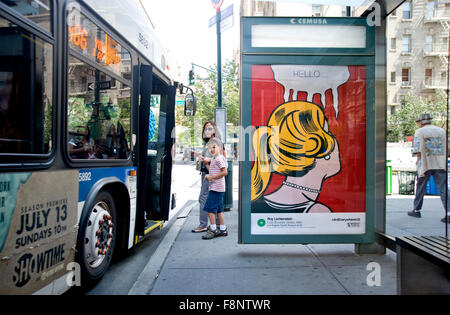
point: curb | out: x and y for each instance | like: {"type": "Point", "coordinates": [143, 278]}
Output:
{"type": "Point", "coordinates": [149, 274]}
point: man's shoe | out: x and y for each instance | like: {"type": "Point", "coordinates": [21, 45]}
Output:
{"type": "Point", "coordinates": [415, 214]}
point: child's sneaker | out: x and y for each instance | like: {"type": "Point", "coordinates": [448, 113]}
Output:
{"type": "Point", "coordinates": [210, 234]}
{"type": "Point", "coordinates": [222, 233]}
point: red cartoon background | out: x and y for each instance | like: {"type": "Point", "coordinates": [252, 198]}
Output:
{"type": "Point", "coordinates": [346, 191]}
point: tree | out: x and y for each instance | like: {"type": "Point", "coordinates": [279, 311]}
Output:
{"type": "Point", "coordinates": [403, 122]}
{"type": "Point", "coordinates": [205, 91]}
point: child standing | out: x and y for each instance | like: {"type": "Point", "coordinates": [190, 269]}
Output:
{"type": "Point", "coordinates": [216, 179]}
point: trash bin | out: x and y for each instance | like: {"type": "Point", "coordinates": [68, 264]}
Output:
{"type": "Point", "coordinates": [388, 177]}
{"type": "Point", "coordinates": [228, 198]}
{"type": "Point", "coordinates": [406, 182]}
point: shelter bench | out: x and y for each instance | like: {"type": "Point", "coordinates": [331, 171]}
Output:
{"type": "Point", "coordinates": [423, 265]}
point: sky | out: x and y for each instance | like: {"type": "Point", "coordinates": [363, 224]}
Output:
{"type": "Point", "coordinates": [182, 26]}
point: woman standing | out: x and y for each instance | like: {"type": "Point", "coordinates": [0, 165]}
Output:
{"type": "Point", "coordinates": [209, 131]}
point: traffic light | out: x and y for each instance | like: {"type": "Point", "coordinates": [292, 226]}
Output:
{"type": "Point", "coordinates": [191, 77]}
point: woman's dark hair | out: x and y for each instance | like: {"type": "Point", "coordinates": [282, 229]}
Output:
{"type": "Point", "coordinates": [212, 123]}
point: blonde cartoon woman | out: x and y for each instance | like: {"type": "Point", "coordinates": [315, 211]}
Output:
{"type": "Point", "coordinates": [296, 143]}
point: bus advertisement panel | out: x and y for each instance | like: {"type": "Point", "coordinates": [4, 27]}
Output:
{"type": "Point", "coordinates": [307, 110]}
{"type": "Point", "coordinates": [38, 228]}
{"type": "Point", "coordinates": [312, 120]}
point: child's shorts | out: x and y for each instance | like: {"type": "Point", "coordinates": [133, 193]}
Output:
{"type": "Point", "coordinates": [214, 202]}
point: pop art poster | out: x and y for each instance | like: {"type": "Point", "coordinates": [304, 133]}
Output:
{"type": "Point", "coordinates": [308, 170]}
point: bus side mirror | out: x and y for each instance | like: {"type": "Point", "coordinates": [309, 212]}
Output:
{"type": "Point", "coordinates": [190, 105]}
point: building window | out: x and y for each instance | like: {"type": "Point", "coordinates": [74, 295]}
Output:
{"type": "Point", "coordinates": [406, 44]}
{"type": "Point", "coordinates": [393, 77]}
{"type": "Point", "coordinates": [429, 43]}
{"type": "Point", "coordinates": [348, 11]}
{"type": "Point", "coordinates": [393, 110]}
{"type": "Point", "coordinates": [406, 11]}
{"type": "Point", "coordinates": [259, 10]}
{"type": "Point", "coordinates": [445, 43]}
{"type": "Point", "coordinates": [393, 43]}
{"type": "Point", "coordinates": [430, 13]}
{"type": "Point", "coordinates": [402, 100]}
{"type": "Point", "coordinates": [406, 77]}
{"type": "Point", "coordinates": [316, 10]}
{"type": "Point", "coordinates": [428, 76]}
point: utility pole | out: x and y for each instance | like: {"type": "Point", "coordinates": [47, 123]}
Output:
{"type": "Point", "coordinates": [220, 113]}
{"type": "Point", "coordinates": [219, 57]}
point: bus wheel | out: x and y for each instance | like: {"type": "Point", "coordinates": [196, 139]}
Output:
{"type": "Point", "coordinates": [97, 237]}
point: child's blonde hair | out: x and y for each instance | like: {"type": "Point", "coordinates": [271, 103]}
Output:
{"type": "Point", "coordinates": [215, 141]}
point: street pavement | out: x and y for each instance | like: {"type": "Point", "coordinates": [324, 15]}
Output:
{"type": "Point", "coordinates": [398, 223]}
{"type": "Point", "coordinates": [187, 265]}
{"type": "Point", "coordinates": [192, 264]}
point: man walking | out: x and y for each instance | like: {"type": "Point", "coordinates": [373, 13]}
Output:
{"type": "Point", "coordinates": [429, 145]}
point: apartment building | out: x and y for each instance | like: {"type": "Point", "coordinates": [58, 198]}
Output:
{"type": "Point", "coordinates": [417, 50]}
{"type": "Point", "coordinates": [275, 8]}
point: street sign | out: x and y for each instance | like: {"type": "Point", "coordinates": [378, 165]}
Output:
{"type": "Point", "coordinates": [220, 117]}
{"type": "Point", "coordinates": [180, 103]}
{"type": "Point", "coordinates": [228, 12]}
{"type": "Point", "coordinates": [105, 85]}
{"type": "Point", "coordinates": [226, 24]}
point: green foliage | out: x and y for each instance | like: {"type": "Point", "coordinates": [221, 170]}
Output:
{"type": "Point", "coordinates": [78, 113]}
{"type": "Point", "coordinates": [48, 125]}
{"type": "Point", "coordinates": [403, 122]}
{"type": "Point", "coordinates": [205, 91]}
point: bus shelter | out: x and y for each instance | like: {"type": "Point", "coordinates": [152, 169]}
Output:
{"type": "Point", "coordinates": [326, 76]}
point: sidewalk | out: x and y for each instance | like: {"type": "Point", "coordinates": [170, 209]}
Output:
{"type": "Point", "coordinates": [184, 264]}
{"type": "Point", "coordinates": [398, 223]}
{"type": "Point", "coordinates": [193, 264]}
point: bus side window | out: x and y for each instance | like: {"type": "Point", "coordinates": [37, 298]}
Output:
{"type": "Point", "coordinates": [26, 82]}
{"type": "Point", "coordinates": [96, 101]}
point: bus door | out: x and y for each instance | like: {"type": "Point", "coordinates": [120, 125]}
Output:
{"type": "Point", "coordinates": [154, 142]}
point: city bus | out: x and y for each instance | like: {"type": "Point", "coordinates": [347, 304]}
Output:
{"type": "Point", "coordinates": [86, 118]}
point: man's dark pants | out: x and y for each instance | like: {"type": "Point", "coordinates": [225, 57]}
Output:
{"type": "Point", "coordinates": [439, 179]}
